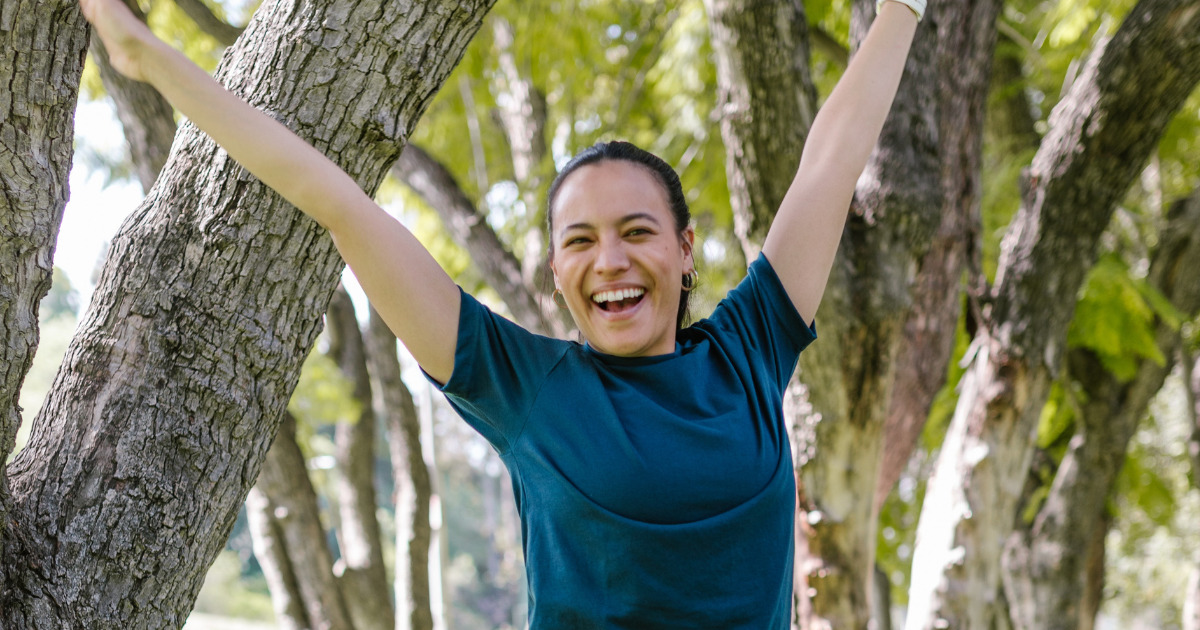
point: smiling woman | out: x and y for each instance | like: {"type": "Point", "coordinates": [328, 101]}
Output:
{"type": "Point", "coordinates": [620, 250]}
{"type": "Point", "coordinates": [651, 462]}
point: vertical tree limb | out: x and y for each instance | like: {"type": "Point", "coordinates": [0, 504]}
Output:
{"type": "Point", "coordinates": [414, 486]}
{"type": "Point", "coordinates": [296, 518]}
{"type": "Point", "coordinates": [364, 580]}
{"type": "Point", "coordinates": [147, 119]}
{"type": "Point", "coordinates": [964, 70]}
{"type": "Point", "coordinates": [42, 46]}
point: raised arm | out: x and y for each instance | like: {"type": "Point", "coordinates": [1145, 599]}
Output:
{"type": "Point", "coordinates": [405, 284]}
{"type": "Point", "coordinates": [804, 236]}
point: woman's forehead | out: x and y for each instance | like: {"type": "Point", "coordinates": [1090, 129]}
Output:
{"type": "Point", "coordinates": [610, 191]}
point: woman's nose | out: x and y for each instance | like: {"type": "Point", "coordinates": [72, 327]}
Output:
{"type": "Point", "coordinates": [611, 256]}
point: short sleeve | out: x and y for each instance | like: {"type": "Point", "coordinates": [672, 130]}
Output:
{"type": "Point", "coordinates": [499, 368]}
{"type": "Point", "coordinates": [761, 315]}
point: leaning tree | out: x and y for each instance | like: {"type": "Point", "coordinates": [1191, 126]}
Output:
{"type": "Point", "coordinates": [210, 298]}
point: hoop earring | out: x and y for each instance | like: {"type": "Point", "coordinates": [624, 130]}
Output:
{"type": "Point", "coordinates": [560, 300]}
{"type": "Point", "coordinates": [689, 280]}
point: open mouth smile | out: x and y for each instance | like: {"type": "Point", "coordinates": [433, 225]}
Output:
{"type": "Point", "coordinates": [618, 300]}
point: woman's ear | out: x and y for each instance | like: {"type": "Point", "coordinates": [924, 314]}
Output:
{"type": "Point", "coordinates": [687, 243]}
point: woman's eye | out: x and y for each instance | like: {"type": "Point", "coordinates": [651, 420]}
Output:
{"type": "Point", "coordinates": [638, 232]}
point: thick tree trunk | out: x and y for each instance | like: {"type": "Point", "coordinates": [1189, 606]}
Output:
{"type": "Point", "coordinates": [469, 228]}
{"type": "Point", "coordinates": [850, 372]}
{"type": "Point", "coordinates": [966, 48]}
{"type": "Point", "coordinates": [146, 117]}
{"type": "Point", "coordinates": [296, 558]}
{"type": "Point", "coordinates": [1100, 136]}
{"type": "Point", "coordinates": [766, 102]}
{"type": "Point", "coordinates": [764, 124]}
{"type": "Point", "coordinates": [42, 45]}
{"type": "Point", "coordinates": [1046, 563]}
{"type": "Point", "coordinates": [414, 488]}
{"type": "Point", "coordinates": [364, 582]}
{"type": "Point", "coordinates": [169, 396]}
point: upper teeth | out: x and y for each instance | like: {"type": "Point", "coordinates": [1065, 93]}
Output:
{"type": "Point", "coordinates": [619, 294]}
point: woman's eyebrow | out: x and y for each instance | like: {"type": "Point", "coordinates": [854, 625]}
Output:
{"type": "Point", "coordinates": [633, 216]}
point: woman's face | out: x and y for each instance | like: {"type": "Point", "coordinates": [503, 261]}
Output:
{"type": "Point", "coordinates": [618, 258]}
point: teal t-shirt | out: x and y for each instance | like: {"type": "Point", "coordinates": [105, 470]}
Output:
{"type": "Point", "coordinates": [654, 492]}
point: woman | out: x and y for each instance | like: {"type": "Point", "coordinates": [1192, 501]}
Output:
{"type": "Point", "coordinates": [650, 464]}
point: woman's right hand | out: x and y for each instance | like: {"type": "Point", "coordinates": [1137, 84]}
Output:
{"type": "Point", "coordinates": [126, 38]}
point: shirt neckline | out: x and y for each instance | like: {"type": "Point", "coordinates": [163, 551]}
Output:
{"type": "Point", "coordinates": [613, 359]}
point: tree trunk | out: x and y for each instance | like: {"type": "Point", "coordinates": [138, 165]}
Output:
{"type": "Point", "coordinates": [850, 373]}
{"type": "Point", "coordinates": [1093, 575]}
{"type": "Point", "coordinates": [41, 58]}
{"type": "Point", "coordinates": [294, 517]}
{"type": "Point", "coordinates": [522, 114]}
{"type": "Point", "coordinates": [211, 298]}
{"type": "Point", "coordinates": [1046, 563]}
{"type": "Point", "coordinates": [147, 119]}
{"type": "Point", "coordinates": [764, 124]}
{"type": "Point", "coordinates": [964, 63]}
{"type": "Point", "coordinates": [271, 552]}
{"type": "Point", "coordinates": [414, 488]}
{"type": "Point", "coordinates": [766, 101]}
{"type": "Point", "coordinates": [364, 582]}
{"type": "Point", "coordinates": [1100, 136]}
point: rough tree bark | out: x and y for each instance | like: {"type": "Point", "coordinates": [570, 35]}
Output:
{"type": "Point", "coordinates": [768, 106]}
{"type": "Point", "coordinates": [285, 520]}
{"type": "Point", "coordinates": [1100, 136]}
{"type": "Point", "coordinates": [850, 372]}
{"type": "Point", "coordinates": [1045, 563]}
{"type": "Point", "coordinates": [211, 297]}
{"type": "Point", "coordinates": [363, 576]}
{"type": "Point", "coordinates": [414, 487]}
{"type": "Point", "coordinates": [41, 57]}
{"type": "Point", "coordinates": [964, 68]}
{"type": "Point", "coordinates": [766, 101]}
{"type": "Point", "coordinates": [146, 117]}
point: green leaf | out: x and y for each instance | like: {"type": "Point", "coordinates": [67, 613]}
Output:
{"type": "Point", "coordinates": [1117, 318]}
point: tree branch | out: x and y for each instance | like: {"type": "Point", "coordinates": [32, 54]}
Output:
{"type": "Point", "coordinates": [434, 183]}
{"type": "Point", "coordinates": [147, 119]}
{"type": "Point", "coordinates": [367, 593]}
{"type": "Point", "coordinates": [225, 33]}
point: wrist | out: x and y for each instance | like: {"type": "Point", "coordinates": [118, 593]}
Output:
{"type": "Point", "coordinates": [916, 6]}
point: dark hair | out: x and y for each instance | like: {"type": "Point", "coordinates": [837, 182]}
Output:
{"type": "Point", "coordinates": [619, 150]}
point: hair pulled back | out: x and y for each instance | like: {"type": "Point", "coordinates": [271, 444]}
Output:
{"type": "Point", "coordinates": [663, 173]}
